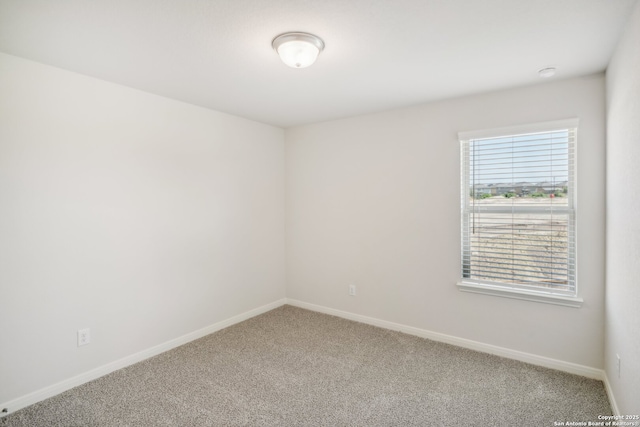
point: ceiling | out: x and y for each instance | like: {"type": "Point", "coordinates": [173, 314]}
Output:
{"type": "Point", "coordinates": [379, 55]}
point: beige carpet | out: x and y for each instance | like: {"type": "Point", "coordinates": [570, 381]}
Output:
{"type": "Point", "coordinates": [293, 367]}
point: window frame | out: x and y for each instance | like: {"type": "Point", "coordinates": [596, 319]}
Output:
{"type": "Point", "coordinates": [530, 293]}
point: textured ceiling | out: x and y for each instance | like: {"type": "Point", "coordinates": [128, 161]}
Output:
{"type": "Point", "coordinates": [380, 54]}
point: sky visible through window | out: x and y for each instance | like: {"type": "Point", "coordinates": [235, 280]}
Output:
{"type": "Point", "coordinates": [529, 158]}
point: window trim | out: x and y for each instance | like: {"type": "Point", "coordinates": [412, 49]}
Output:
{"type": "Point", "coordinates": [526, 128]}
{"type": "Point", "coordinates": [504, 290]}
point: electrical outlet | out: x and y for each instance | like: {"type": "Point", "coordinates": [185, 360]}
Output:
{"type": "Point", "coordinates": [618, 363]}
{"type": "Point", "coordinates": [84, 336]}
{"type": "Point", "coordinates": [352, 290]}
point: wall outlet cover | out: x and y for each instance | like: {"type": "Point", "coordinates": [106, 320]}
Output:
{"type": "Point", "coordinates": [84, 336]}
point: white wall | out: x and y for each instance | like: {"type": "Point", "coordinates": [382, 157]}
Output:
{"type": "Point", "coordinates": [374, 201]}
{"type": "Point", "coordinates": [623, 219]}
{"type": "Point", "coordinates": [139, 217]}
{"type": "Point", "coordinates": [145, 219]}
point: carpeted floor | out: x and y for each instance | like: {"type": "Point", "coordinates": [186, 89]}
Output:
{"type": "Point", "coordinates": [293, 367]}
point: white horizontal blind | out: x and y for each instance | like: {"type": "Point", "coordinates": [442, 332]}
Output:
{"type": "Point", "coordinates": [518, 218]}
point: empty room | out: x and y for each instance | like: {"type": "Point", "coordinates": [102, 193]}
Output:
{"type": "Point", "coordinates": [319, 213]}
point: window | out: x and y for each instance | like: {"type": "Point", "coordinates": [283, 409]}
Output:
{"type": "Point", "coordinates": [518, 212]}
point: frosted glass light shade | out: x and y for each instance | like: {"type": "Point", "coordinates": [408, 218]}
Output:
{"type": "Point", "coordinates": [298, 50]}
{"type": "Point", "coordinates": [298, 54]}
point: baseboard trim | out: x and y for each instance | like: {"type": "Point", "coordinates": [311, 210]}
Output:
{"type": "Point", "coordinates": [52, 390]}
{"type": "Point", "coordinates": [533, 359]}
{"type": "Point", "coordinates": [609, 390]}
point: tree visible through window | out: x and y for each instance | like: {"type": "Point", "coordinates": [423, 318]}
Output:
{"type": "Point", "coordinates": [518, 216]}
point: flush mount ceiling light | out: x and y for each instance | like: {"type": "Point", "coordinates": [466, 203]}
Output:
{"type": "Point", "coordinates": [298, 50]}
{"type": "Point", "coordinates": [545, 73]}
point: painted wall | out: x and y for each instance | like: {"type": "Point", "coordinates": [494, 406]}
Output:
{"type": "Point", "coordinates": [375, 201]}
{"type": "Point", "coordinates": [623, 219]}
{"type": "Point", "coordinates": [139, 217]}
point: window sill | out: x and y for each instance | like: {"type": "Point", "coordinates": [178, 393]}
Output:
{"type": "Point", "coordinates": [519, 294]}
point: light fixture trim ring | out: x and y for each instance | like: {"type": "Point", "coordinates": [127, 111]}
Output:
{"type": "Point", "coordinates": [297, 36]}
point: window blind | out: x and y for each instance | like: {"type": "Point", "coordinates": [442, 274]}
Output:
{"type": "Point", "coordinates": [518, 215]}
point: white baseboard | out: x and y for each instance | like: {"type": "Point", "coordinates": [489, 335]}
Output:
{"type": "Point", "coordinates": [533, 359]}
{"type": "Point", "coordinates": [52, 390]}
{"type": "Point", "coordinates": [612, 399]}
{"type": "Point", "coordinates": [65, 385]}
